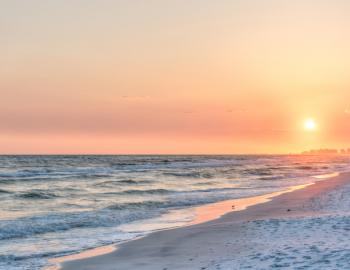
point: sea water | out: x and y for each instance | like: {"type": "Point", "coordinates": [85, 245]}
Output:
{"type": "Point", "coordinates": [58, 205]}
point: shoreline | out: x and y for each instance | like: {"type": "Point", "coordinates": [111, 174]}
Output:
{"type": "Point", "coordinates": [203, 213]}
{"type": "Point", "coordinates": [270, 205]}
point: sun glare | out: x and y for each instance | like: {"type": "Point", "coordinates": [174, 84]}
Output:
{"type": "Point", "coordinates": [309, 124]}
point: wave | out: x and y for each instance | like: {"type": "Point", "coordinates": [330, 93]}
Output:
{"type": "Point", "coordinates": [37, 194]}
{"type": "Point", "coordinates": [306, 167]}
{"type": "Point", "coordinates": [205, 183]}
{"type": "Point", "coordinates": [183, 199]}
{"type": "Point", "coordinates": [129, 182]}
{"type": "Point", "coordinates": [90, 175]}
{"type": "Point", "coordinates": [111, 216]}
{"type": "Point", "coordinates": [153, 205]}
{"type": "Point", "coordinates": [189, 174]}
{"type": "Point", "coordinates": [258, 171]}
{"type": "Point", "coordinates": [175, 192]}
{"type": "Point", "coordinates": [275, 177]}
{"type": "Point", "coordinates": [54, 175]}
{"type": "Point", "coordinates": [183, 174]}
{"type": "Point", "coordinates": [27, 226]}
{"type": "Point", "coordinates": [147, 191]}
{"type": "Point", "coordinates": [11, 258]}
{"type": "Point", "coordinates": [122, 182]}
{"type": "Point", "coordinates": [139, 205]}
{"type": "Point", "coordinates": [140, 192]}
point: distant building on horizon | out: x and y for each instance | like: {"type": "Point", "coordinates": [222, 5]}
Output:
{"type": "Point", "coordinates": [326, 151]}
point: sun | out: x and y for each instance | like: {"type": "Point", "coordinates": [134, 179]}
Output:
{"type": "Point", "coordinates": [310, 124]}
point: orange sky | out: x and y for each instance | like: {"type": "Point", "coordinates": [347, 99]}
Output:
{"type": "Point", "coordinates": [159, 76]}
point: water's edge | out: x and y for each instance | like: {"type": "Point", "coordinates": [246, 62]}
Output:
{"type": "Point", "coordinates": [54, 206]}
{"type": "Point", "coordinates": [203, 214]}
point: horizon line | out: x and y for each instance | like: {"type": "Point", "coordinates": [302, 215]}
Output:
{"type": "Point", "coordinates": [148, 154]}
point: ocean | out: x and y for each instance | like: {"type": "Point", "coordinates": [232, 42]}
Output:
{"type": "Point", "coordinates": [52, 206]}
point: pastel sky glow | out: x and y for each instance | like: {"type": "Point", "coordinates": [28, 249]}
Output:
{"type": "Point", "coordinates": [184, 76]}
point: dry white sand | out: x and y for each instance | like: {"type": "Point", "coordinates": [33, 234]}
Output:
{"type": "Point", "coordinates": [304, 229]}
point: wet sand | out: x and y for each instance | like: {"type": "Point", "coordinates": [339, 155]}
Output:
{"type": "Point", "coordinates": [198, 246]}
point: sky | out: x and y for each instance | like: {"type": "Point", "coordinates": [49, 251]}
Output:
{"type": "Point", "coordinates": [173, 77]}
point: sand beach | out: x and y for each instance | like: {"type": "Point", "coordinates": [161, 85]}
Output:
{"type": "Point", "coordinates": [289, 231]}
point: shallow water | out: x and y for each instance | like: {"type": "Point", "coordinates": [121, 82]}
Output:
{"type": "Point", "coordinates": [56, 205]}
